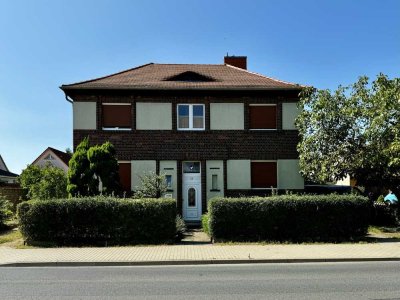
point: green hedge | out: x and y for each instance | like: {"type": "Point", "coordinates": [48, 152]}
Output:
{"type": "Point", "coordinates": [94, 220]}
{"type": "Point", "coordinates": [289, 218]}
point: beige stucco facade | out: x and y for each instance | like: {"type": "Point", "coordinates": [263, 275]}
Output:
{"type": "Point", "coordinates": [226, 116]}
{"type": "Point", "coordinates": [289, 115]}
{"type": "Point", "coordinates": [238, 174]}
{"type": "Point", "coordinates": [84, 115]}
{"type": "Point", "coordinates": [153, 116]}
{"type": "Point", "coordinates": [289, 174]}
{"type": "Point", "coordinates": [169, 167]}
{"type": "Point", "coordinates": [140, 168]}
{"type": "Point", "coordinates": [215, 168]}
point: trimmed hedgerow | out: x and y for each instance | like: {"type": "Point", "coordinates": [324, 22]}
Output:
{"type": "Point", "coordinates": [289, 218]}
{"type": "Point", "coordinates": [93, 220]}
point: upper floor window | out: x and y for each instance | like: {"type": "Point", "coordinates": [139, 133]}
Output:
{"type": "Point", "coordinates": [190, 116]}
{"type": "Point", "coordinates": [262, 116]}
{"type": "Point", "coordinates": [117, 116]}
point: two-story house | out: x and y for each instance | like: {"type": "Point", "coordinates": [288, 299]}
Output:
{"type": "Point", "coordinates": [214, 130]}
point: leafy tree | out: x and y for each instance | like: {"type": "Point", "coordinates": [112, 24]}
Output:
{"type": "Point", "coordinates": [354, 131]}
{"type": "Point", "coordinates": [44, 183]}
{"type": "Point", "coordinates": [153, 186]}
{"type": "Point", "coordinates": [91, 168]}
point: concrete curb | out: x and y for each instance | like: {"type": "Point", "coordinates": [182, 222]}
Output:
{"type": "Point", "coordinates": [194, 262]}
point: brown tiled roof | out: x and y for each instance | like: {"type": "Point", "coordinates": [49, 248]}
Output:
{"type": "Point", "coordinates": [169, 76]}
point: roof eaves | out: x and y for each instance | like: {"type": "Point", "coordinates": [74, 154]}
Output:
{"type": "Point", "coordinates": [267, 77]}
{"type": "Point", "coordinates": [64, 86]}
{"type": "Point", "coordinates": [236, 88]}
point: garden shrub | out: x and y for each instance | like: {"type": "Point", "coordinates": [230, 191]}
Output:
{"type": "Point", "coordinates": [289, 218]}
{"type": "Point", "coordinates": [385, 214]}
{"type": "Point", "coordinates": [93, 220]}
{"type": "Point", "coordinates": [5, 210]}
{"type": "Point", "coordinates": [205, 223]}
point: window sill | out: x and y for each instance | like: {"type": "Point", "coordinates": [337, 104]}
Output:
{"type": "Point", "coordinates": [263, 129]}
{"type": "Point", "coordinates": [273, 188]}
{"type": "Point", "coordinates": [116, 129]}
{"type": "Point", "coordinates": [190, 129]}
{"type": "Point", "coordinates": [215, 190]}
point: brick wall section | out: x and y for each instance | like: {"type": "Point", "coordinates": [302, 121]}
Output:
{"type": "Point", "coordinates": [15, 194]}
{"type": "Point", "coordinates": [201, 145]}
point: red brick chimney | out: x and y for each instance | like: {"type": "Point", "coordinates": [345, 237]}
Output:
{"type": "Point", "coordinates": [236, 61]}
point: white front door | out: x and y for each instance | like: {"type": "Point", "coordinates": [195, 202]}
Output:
{"type": "Point", "coordinates": [191, 191]}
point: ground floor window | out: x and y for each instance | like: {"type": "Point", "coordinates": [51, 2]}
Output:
{"type": "Point", "coordinates": [263, 174]}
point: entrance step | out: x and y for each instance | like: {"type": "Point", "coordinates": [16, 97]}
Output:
{"type": "Point", "coordinates": [195, 236]}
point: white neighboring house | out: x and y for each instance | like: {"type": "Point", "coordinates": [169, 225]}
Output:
{"type": "Point", "coordinates": [56, 158]}
{"type": "Point", "coordinates": [5, 175]}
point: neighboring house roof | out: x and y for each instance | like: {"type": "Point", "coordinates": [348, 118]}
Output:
{"type": "Point", "coordinates": [184, 76]}
{"type": "Point", "coordinates": [7, 174]}
{"type": "Point", "coordinates": [64, 157]}
{"type": "Point", "coordinates": [3, 165]}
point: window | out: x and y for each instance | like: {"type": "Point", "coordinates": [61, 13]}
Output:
{"type": "Point", "coordinates": [263, 174]}
{"type": "Point", "coordinates": [49, 157]}
{"type": "Point", "coordinates": [168, 181]}
{"type": "Point", "coordinates": [214, 182]}
{"type": "Point", "coordinates": [125, 175]}
{"type": "Point", "coordinates": [117, 116]}
{"type": "Point", "coordinates": [262, 116]}
{"type": "Point", "coordinates": [190, 116]}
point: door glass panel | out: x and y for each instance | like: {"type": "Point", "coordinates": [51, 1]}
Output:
{"type": "Point", "coordinates": [191, 197]}
{"type": "Point", "coordinates": [191, 167]}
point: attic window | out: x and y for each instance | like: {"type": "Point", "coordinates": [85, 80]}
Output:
{"type": "Point", "coordinates": [49, 157]}
{"type": "Point", "coordinates": [190, 76]}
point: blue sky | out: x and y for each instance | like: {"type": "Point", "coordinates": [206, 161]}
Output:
{"type": "Point", "coordinates": [44, 44]}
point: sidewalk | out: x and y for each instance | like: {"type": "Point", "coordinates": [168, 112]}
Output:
{"type": "Point", "coordinates": [199, 254]}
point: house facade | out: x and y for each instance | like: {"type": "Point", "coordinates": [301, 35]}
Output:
{"type": "Point", "coordinates": [213, 130]}
{"type": "Point", "coordinates": [53, 157]}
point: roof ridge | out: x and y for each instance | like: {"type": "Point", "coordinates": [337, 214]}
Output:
{"type": "Point", "coordinates": [107, 76]}
{"type": "Point", "coordinates": [261, 75]}
{"type": "Point", "coordinates": [175, 64]}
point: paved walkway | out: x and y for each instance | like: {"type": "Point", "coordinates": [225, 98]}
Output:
{"type": "Point", "coordinates": [202, 253]}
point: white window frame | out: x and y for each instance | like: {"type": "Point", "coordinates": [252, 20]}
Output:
{"type": "Point", "coordinates": [190, 117]}
{"type": "Point", "coordinates": [265, 129]}
{"type": "Point", "coordinates": [116, 128]}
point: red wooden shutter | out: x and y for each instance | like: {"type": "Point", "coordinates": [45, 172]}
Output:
{"type": "Point", "coordinates": [117, 116]}
{"type": "Point", "coordinates": [125, 176]}
{"type": "Point", "coordinates": [262, 117]}
{"type": "Point", "coordinates": [263, 174]}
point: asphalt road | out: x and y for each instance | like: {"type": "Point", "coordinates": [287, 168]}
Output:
{"type": "Point", "coordinates": [372, 280]}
